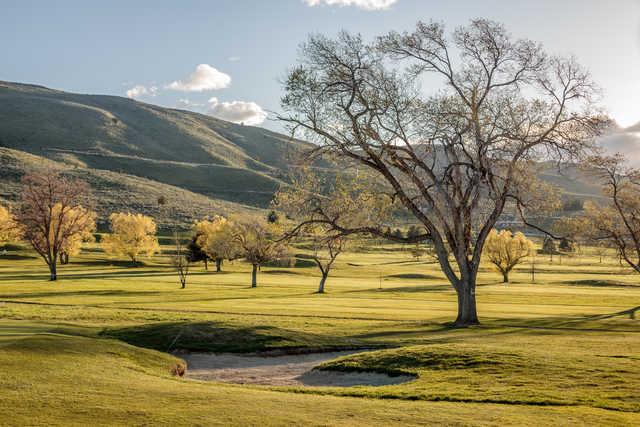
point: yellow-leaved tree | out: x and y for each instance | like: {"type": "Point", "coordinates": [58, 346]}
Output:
{"type": "Point", "coordinates": [506, 250]}
{"type": "Point", "coordinates": [10, 230]}
{"type": "Point", "coordinates": [216, 239]}
{"type": "Point", "coordinates": [131, 235]}
{"type": "Point", "coordinates": [54, 215]}
{"type": "Point", "coordinates": [72, 245]}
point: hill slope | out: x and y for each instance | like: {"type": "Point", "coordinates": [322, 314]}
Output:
{"type": "Point", "coordinates": [118, 192]}
{"type": "Point", "coordinates": [182, 148]}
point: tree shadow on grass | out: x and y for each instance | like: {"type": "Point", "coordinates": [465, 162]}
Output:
{"type": "Point", "coordinates": [63, 276]}
{"type": "Point", "coordinates": [16, 257]}
{"type": "Point", "coordinates": [108, 293]}
{"type": "Point", "coordinates": [218, 337]}
{"type": "Point", "coordinates": [599, 283]}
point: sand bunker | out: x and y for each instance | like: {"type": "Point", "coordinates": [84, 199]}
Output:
{"type": "Point", "coordinates": [288, 370]}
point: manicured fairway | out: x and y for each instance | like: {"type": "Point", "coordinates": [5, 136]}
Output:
{"type": "Point", "coordinates": [92, 348]}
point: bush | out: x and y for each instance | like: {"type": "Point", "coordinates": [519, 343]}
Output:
{"type": "Point", "coordinates": [548, 246]}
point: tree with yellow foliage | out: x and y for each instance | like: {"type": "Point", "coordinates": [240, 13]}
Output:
{"type": "Point", "coordinates": [216, 238]}
{"type": "Point", "coordinates": [53, 216]}
{"type": "Point", "coordinates": [506, 250]}
{"type": "Point", "coordinates": [72, 245]}
{"type": "Point", "coordinates": [131, 235]}
{"type": "Point", "coordinates": [10, 230]}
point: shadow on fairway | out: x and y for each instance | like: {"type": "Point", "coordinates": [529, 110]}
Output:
{"type": "Point", "coordinates": [75, 293]}
{"type": "Point", "coordinates": [219, 337]}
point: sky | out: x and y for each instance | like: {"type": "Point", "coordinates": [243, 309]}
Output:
{"type": "Point", "coordinates": [227, 57]}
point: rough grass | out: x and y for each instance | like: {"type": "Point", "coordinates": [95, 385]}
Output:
{"type": "Point", "coordinates": [92, 347]}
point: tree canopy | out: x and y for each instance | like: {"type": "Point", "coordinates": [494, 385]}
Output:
{"type": "Point", "coordinates": [131, 235]}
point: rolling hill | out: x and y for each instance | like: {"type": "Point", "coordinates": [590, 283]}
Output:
{"type": "Point", "coordinates": [193, 151]}
{"type": "Point", "coordinates": [116, 192]}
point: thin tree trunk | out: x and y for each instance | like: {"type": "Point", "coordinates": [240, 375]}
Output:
{"type": "Point", "coordinates": [53, 271]}
{"type": "Point", "coordinates": [206, 265]}
{"type": "Point", "coordinates": [322, 281]}
{"type": "Point", "coordinates": [218, 265]}
{"type": "Point", "coordinates": [467, 312]}
{"type": "Point", "coordinates": [254, 276]}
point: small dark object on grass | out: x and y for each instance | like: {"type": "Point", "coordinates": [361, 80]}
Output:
{"type": "Point", "coordinates": [178, 370]}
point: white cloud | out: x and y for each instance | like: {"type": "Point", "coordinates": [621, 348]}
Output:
{"type": "Point", "coordinates": [140, 90]}
{"type": "Point", "coordinates": [625, 141]}
{"type": "Point", "coordinates": [362, 4]}
{"type": "Point", "coordinates": [186, 103]}
{"type": "Point", "coordinates": [248, 113]}
{"type": "Point", "coordinates": [205, 77]}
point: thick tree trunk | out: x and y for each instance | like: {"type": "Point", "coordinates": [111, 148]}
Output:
{"type": "Point", "coordinates": [254, 276]}
{"type": "Point", "coordinates": [218, 265]}
{"type": "Point", "coordinates": [322, 281]}
{"type": "Point", "coordinates": [53, 271]}
{"type": "Point", "coordinates": [505, 277]}
{"type": "Point", "coordinates": [467, 313]}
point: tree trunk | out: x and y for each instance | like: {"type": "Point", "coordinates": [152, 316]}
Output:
{"type": "Point", "coordinates": [322, 281]}
{"type": "Point", "coordinates": [218, 265]}
{"type": "Point", "coordinates": [505, 277]}
{"type": "Point", "coordinates": [53, 271]}
{"type": "Point", "coordinates": [467, 313]}
{"type": "Point", "coordinates": [254, 276]}
{"type": "Point", "coordinates": [206, 265]}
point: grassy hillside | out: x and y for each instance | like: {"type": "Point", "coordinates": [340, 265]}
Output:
{"type": "Point", "coordinates": [201, 153]}
{"type": "Point", "coordinates": [115, 191]}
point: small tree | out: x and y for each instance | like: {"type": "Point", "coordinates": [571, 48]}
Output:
{"type": "Point", "coordinates": [397, 233]}
{"type": "Point", "coordinates": [196, 253]}
{"type": "Point", "coordinates": [53, 217]}
{"type": "Point", "coordinates": [10, 230]}
{"type": "Point", "coordinates": [549, 247]}
{"type": "Point", "coordinates": [181, 261]}
{"type": "Point", "coordinates": [417, 252]}
{"type": "Point", "coordinates": [73, 245]}
{"type": "Point", "coordinates": [259, 240]}
{"type": "Point", "coordinates": [216, 238]}
{"type": "Point", "coordinates": [600, 248]}
{"type": "Point", "coordinates": [505, 250]}
{"type": "Point", "coordinates": [131, 235]}
{"type": "Point", "coordinates": [326, 248]}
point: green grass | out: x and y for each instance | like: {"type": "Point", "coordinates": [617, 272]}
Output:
{"type": "Point", "coordinates": [92, 348]}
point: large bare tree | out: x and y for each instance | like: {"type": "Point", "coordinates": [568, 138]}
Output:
{"type": "Point", "coordinates": [455, 157]}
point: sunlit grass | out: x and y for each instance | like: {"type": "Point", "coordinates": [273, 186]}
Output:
{"type": "Point", "coordinates": [565, 341]}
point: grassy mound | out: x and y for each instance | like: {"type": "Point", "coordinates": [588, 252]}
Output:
{"type": "Point", "coordinates": [480, 373]}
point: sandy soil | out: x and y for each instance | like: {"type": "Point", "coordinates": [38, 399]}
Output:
{"type": "Point", "coordinates": [288, 370]}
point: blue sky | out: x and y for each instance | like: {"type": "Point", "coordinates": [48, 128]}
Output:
{"type": "Point", "coordinates": [110, 47]}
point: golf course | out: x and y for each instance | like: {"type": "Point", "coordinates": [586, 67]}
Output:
{"type": "Point", "coordinates": [106, 343]}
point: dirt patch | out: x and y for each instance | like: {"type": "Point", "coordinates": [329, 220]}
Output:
{"type": "Point", "coordinates": [287, 370]}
